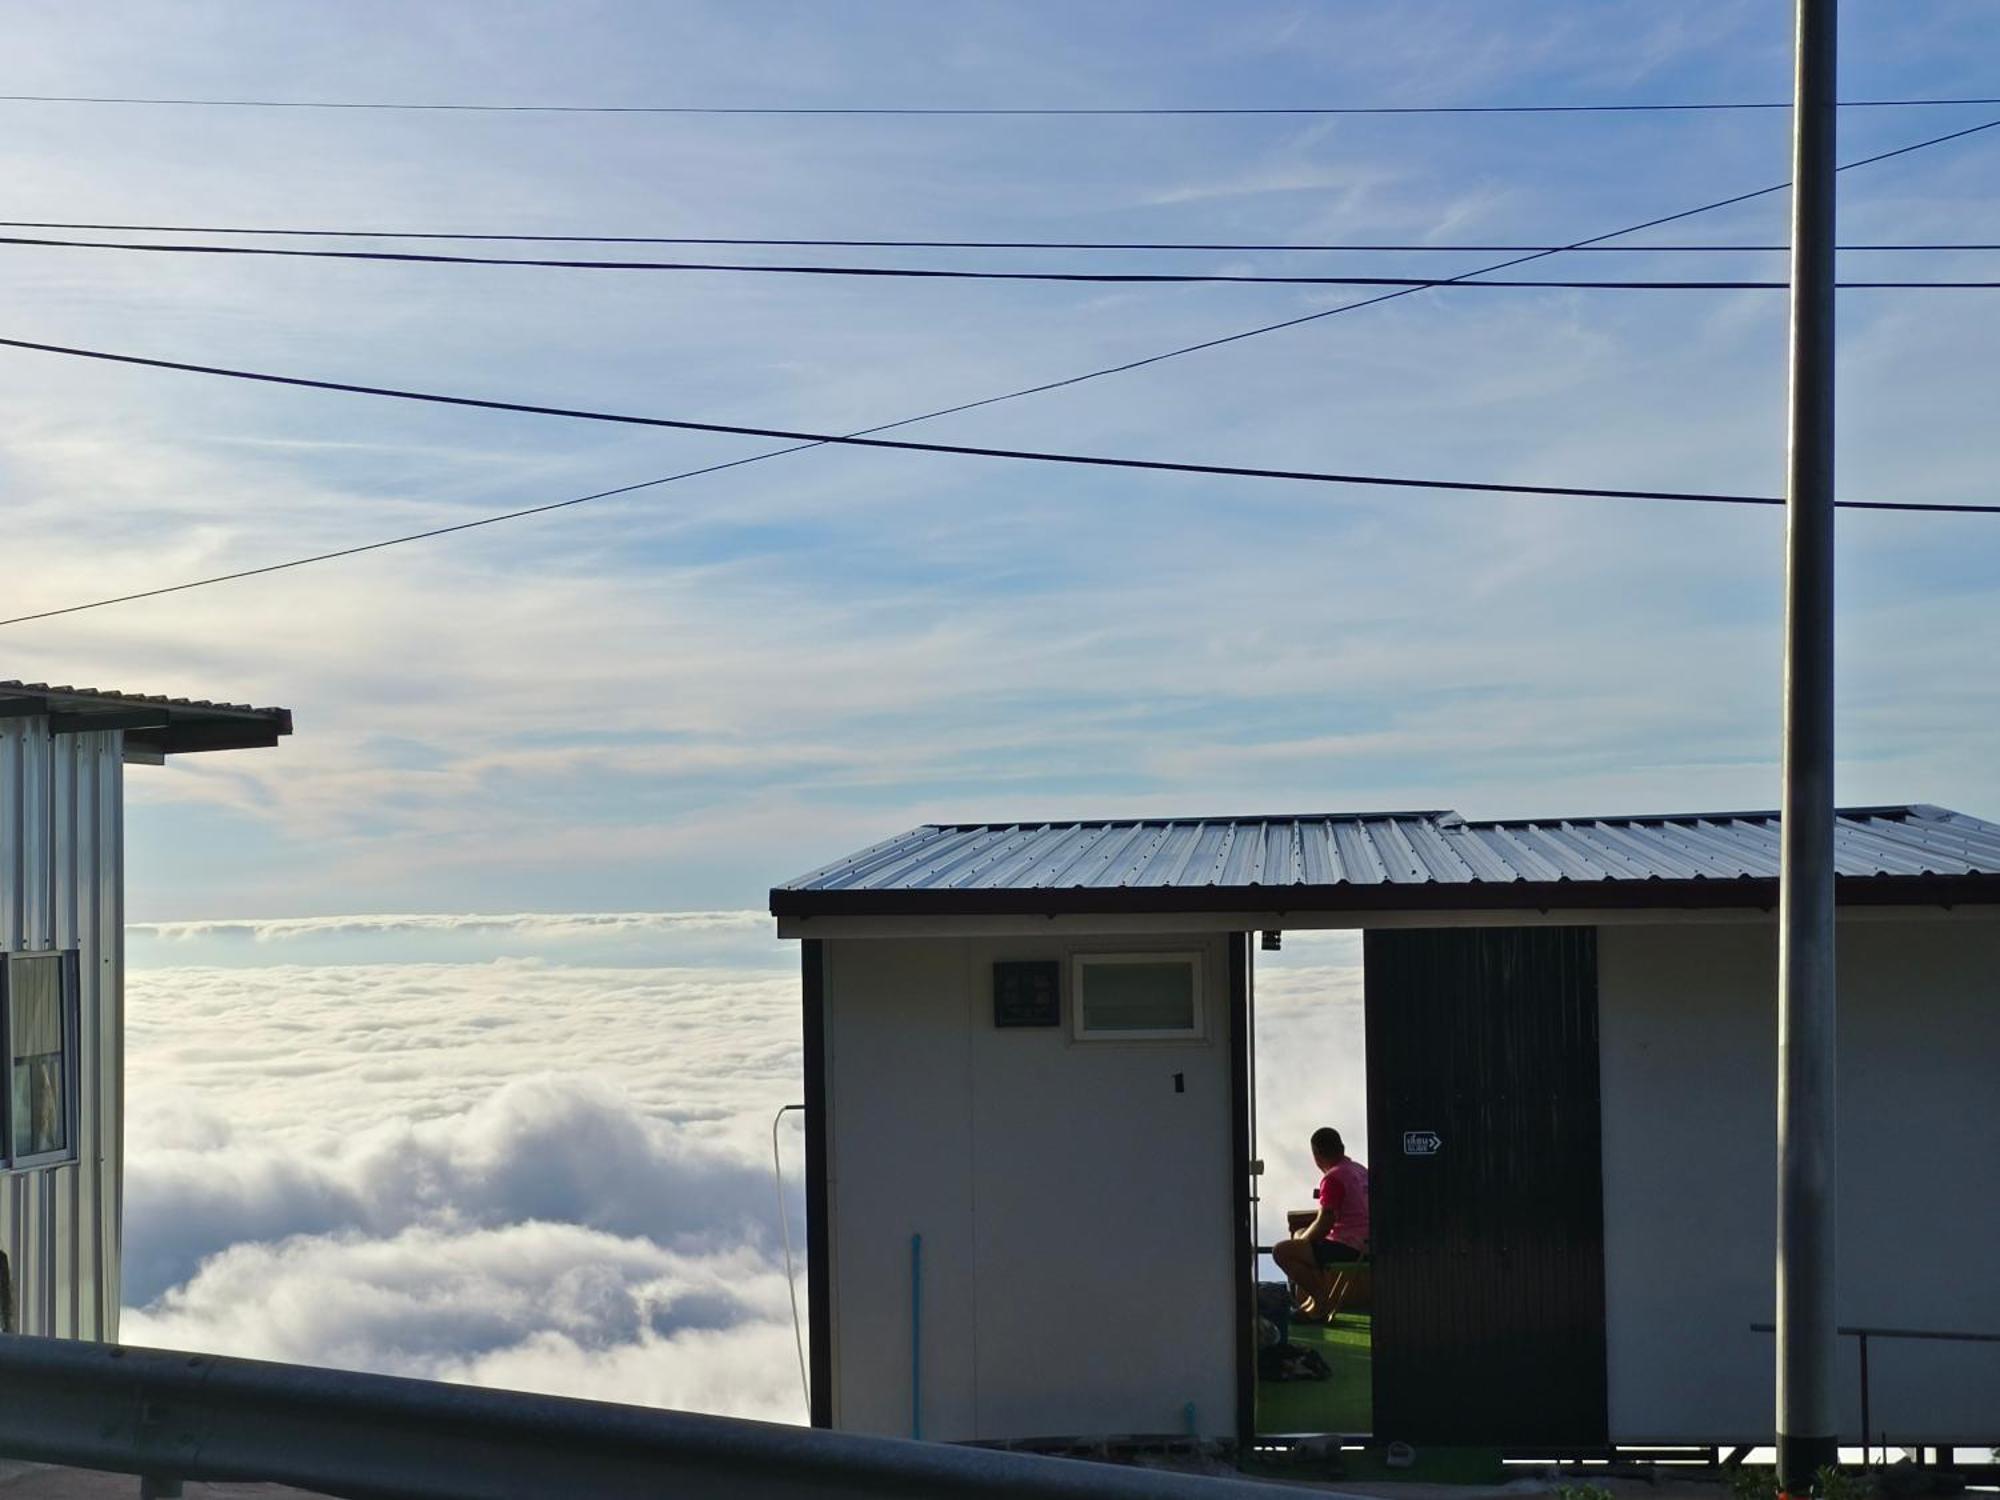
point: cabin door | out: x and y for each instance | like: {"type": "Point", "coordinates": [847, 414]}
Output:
{"type": "Point", "coordinates": [1486, 1186]}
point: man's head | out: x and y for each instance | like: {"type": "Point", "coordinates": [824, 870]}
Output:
{"type": "Point", "coordinates": [1326, 1146]}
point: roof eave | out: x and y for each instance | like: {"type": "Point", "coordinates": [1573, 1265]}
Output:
{"type": "Point", "coordinates": [1538, 896]}
{"type": "Point", "coordinates": [152, 726]}
{"type": "Point", "coordinates": [187, 735]}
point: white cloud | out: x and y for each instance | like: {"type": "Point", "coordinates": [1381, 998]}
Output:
{"type": "Point", "coordinates": [548, 926]}
{"type": "Point", "coordinates": [514, 1173]}
{"type": "Point", "coordinates": [745, 1371]}
{"type": "Point", "coordinates": [559, 1148]}
{"type": "Point", "coordinates": [320, 1055]}
{"type": "Point", "coordinates": [529, 1306]}
{"type": "Point", "coordinates": [528, 1174]}
{"type": "Point", "coordinates": [1312, 1066]}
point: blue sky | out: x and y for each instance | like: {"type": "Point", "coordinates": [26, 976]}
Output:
{"type": "Point", "coordinates": [675, 699]}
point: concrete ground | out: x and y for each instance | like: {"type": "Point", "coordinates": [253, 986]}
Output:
{"type": "Point", "coordinates": [1526, 1488]}
{"type": "Point", "coordinates": [19, 1481]}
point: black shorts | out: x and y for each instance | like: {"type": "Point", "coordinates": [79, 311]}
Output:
{"type": "Point", "coordinates": [1333, 1253]}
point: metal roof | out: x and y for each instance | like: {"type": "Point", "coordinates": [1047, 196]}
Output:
{"type": "Point", "coordinates": [161, 725]}
{"type": "Point", "coordinates": [1328, 861]}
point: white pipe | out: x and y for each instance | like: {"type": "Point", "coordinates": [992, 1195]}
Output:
{"type": "Point", "coordinates": [785, 1230]}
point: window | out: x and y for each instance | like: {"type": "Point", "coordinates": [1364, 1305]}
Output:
{"type": "Point", "coordinates": [38, 1024]}
{"type": "Point", "coordinates": [1138, 996]}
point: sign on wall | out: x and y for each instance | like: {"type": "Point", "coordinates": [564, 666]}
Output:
{"type": "Point", "coordinates": [1027, 992]}
{"type": "Point", "coordinates": [1421, 1143]}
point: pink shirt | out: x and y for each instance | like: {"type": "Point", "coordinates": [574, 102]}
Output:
{"type": "Point", "coordinates": [1343, 1192]}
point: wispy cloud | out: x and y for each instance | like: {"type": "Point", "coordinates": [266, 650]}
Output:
{"type": "Point", "coordinates": [671, 700]}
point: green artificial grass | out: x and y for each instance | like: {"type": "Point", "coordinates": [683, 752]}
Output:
{"type": "Point", "coordinates": [1345, 1404]}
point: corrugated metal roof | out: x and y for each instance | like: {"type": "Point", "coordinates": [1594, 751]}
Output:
{"type": "Point", "coordinates": [1272, 856]}
{"type": "Point", "coordinates": [151, 721]}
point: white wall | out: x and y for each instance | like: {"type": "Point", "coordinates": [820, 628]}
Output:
{"type": "Point", "coordinates": [1689, 1058]}
{"type": "Point", "coordinates": [61, 887]}
{"type": "Point", "coordinates": [1075, 1209]}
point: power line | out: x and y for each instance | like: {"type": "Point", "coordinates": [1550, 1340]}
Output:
{"type": "Point", "coordinates": [819, 441]}
{"type": "Point", "coordinates": [890, 244]}
{"type": "Point", "coordinates": [906, 445]}
{"type": "Point", "coordinates": [397, 541]}
{"type": "Point", "coordinates": [537, 510]}
{"type": "Point", "coordinates": [965, 406]}
{"type": "Point", "coordinates": [403, 257]}
{"type": "Point", "coordinates": [898, 111]}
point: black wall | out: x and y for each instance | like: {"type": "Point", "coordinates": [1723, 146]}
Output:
{"type": "Point", "coordinates": [1489, 1250]}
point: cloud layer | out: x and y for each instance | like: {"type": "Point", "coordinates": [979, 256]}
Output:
{"type": "Point", "coordinates": [544, 926]}
{"type": "Point", "coordinates": [514, 1173]}
{"type": "Point", "coordinates": [533, 1174]}
{"type": "Point", "coordinates": [555, 1149]}
{"type": "Point", "coordinates": [529, 1306]}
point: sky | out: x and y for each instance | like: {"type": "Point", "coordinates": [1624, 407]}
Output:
{"type": "Point", "coordinates": [674, 699]}
{"type": "Point", "coordinates": [577, 750]}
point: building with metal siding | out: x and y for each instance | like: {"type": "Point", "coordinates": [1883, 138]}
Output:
{"type": "Point", "coordinates": [63, 753]}
{"type": "Point", "coordinates": [1581, 1008]}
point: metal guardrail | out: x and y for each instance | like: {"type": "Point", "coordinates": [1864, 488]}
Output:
{"type": "Point", "coordinates": [168, 1416]}
{"type": "Point", "coordinates": [1864, 1333]}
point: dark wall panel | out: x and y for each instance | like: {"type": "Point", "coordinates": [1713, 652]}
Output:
{"type": "Point", "coordinates": [1239, 1188]}
{"type": "Point", "coordinates": [1489, 1246]}
{"type": "Point", "coordinates": [819, 1229]}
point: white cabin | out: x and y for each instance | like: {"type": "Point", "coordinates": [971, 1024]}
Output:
{"type": "Point", "coordinates": [1028, 1042]}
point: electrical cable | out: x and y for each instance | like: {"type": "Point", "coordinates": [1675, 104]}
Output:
{"type": "Point", "coordinates": [908, 445]}
{"type": "Point", "coordinates": [1338, 308]}
{"type": "Point", "coordinates": [1137, 111]}
{"type": "Point", "coordinates": [953, 410]}
{"type": "Point", "coordinates": [1166, 245]}
{"type": "Point", "coordinates": [941, 274]}
{"type": "Point", "coordinates": [905, 445]}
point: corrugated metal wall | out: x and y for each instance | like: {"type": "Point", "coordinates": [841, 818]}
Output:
{"type": "Point", "coordinates": [62, 887]}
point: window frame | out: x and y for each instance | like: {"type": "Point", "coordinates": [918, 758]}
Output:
{"type": "Point", "coordinates": [1081, 1031]}
{"type": "Point", "coordinates": [69, 1005]}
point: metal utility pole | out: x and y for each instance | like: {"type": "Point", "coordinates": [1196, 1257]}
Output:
{"type": "Point", "coordinates": [1807, 1416]}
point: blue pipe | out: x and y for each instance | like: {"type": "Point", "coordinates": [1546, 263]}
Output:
{"type": "Point", "coordinates": [916, 1336]}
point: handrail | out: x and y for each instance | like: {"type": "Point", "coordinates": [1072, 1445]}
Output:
{"type": "Point", "coordinates": [1864, 1333]}
{"type": "Point", "coordinates": [175, 1416]}
{"type": "Point", "coordinates": [1867, 1332]}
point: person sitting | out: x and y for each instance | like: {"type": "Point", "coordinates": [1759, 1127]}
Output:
{"type": "Point", "coordinates": [1338, 1233]}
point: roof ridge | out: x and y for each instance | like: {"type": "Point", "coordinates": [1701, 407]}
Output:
{"type": "Point", "coordinates": [1449, 819]}
{"type": "Point", "coordinates": [1924, 810]}
{"type": "Point", "coordinates": [1445, 816]}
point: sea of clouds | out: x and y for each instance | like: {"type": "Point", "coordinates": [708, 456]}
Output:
{"type": "Point", "coordinates": [547, 1170]}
